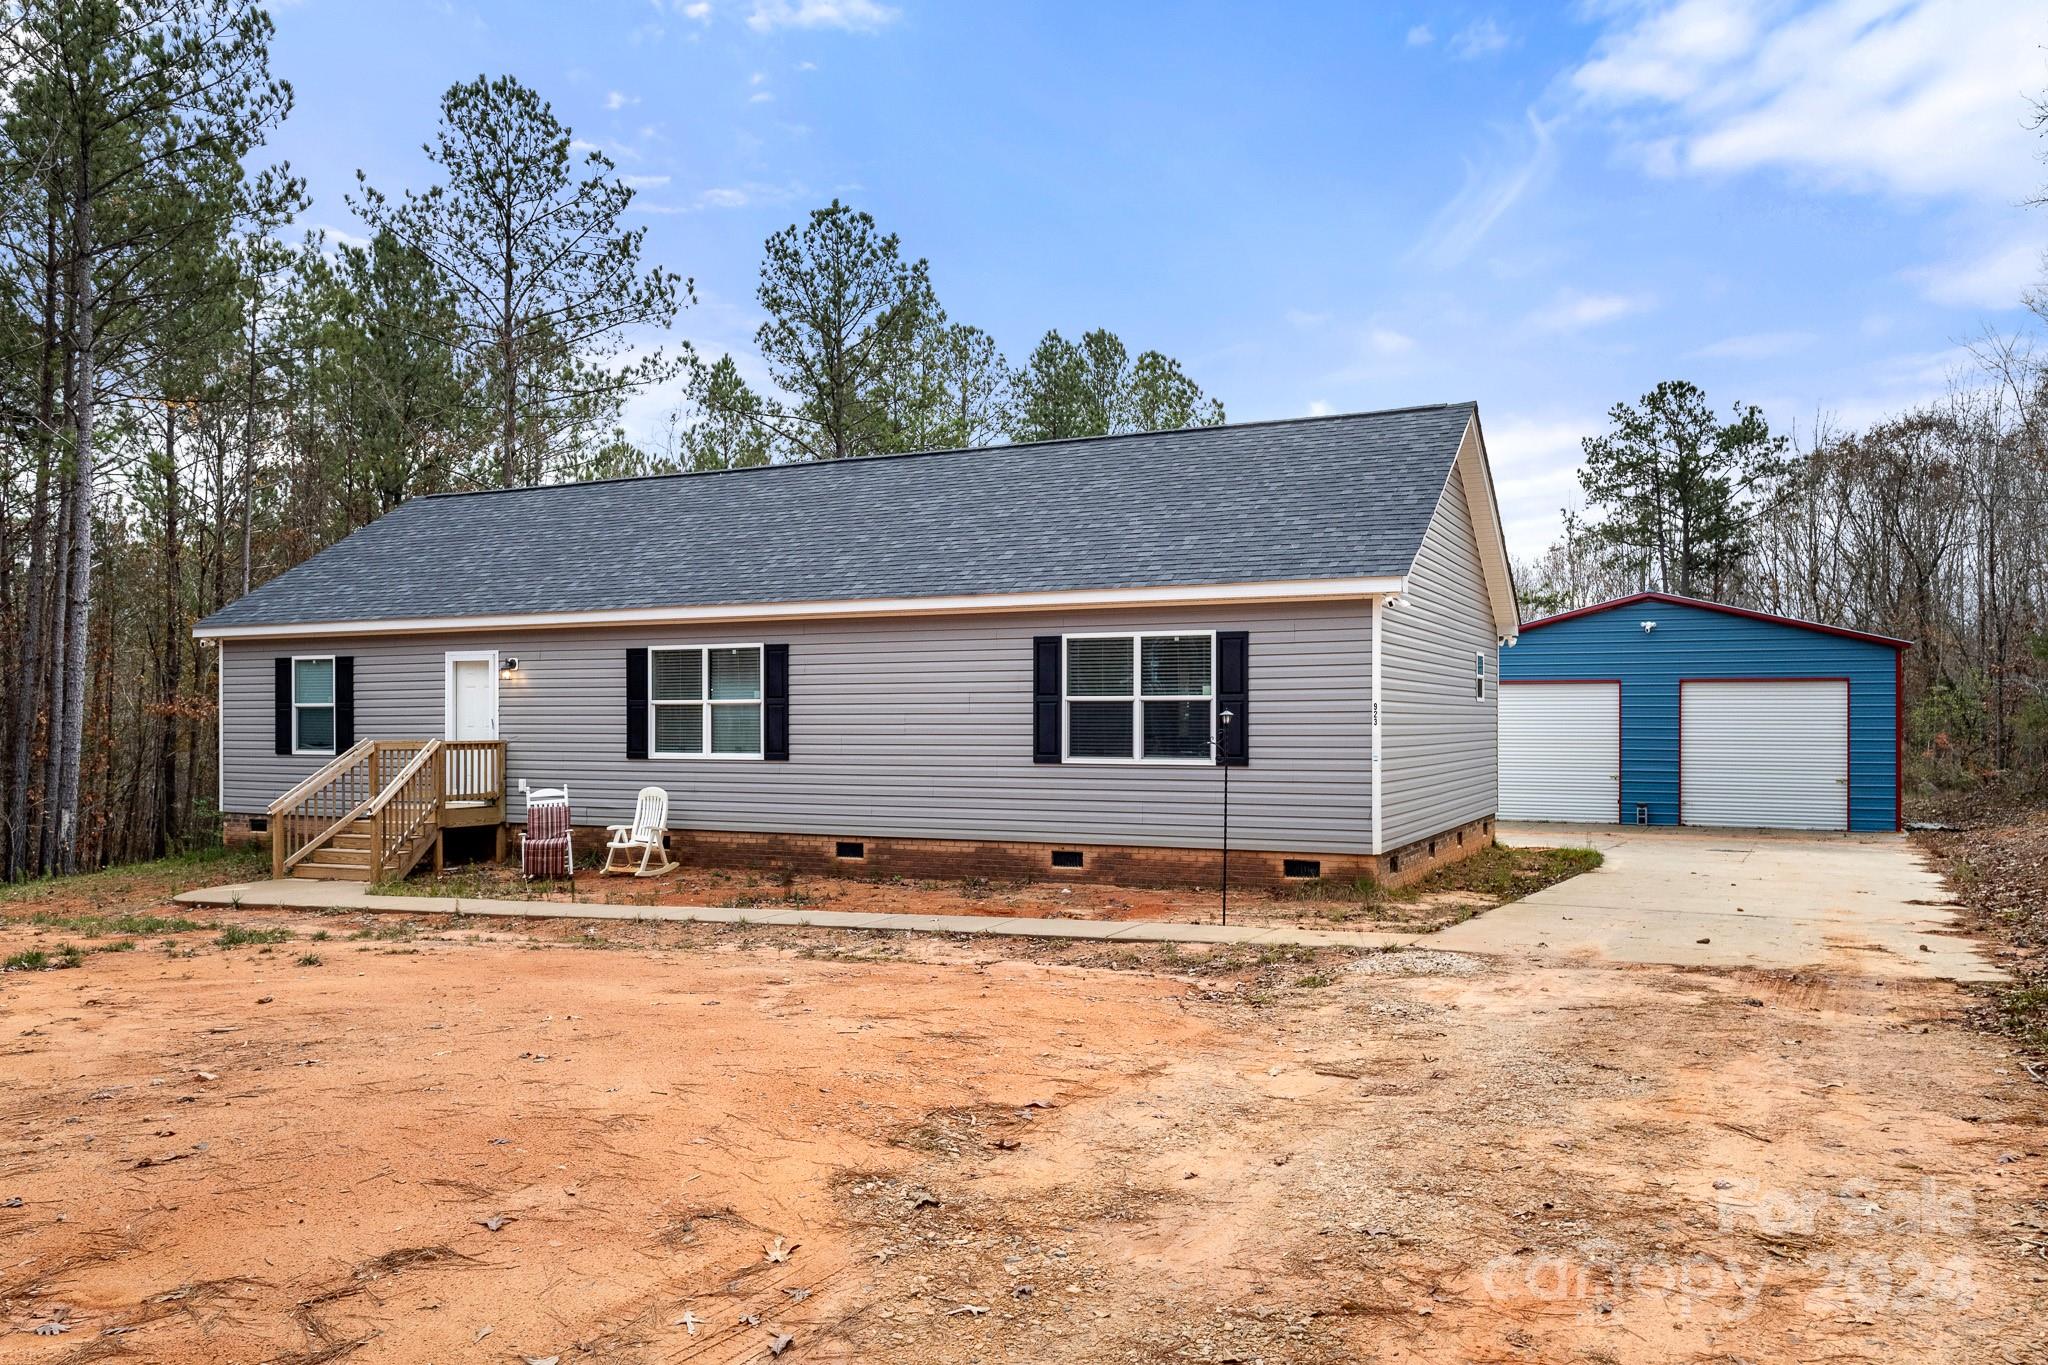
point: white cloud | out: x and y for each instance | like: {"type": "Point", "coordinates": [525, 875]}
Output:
{"type": "Point", "coordinates": [807, 66]}
{"type": "Point", "coordinates": [1993, 279]}
{"type": "Point", "coordinates": [1480, 38]}
{"type": "Point", "coordinates": [699, 11]}
{"type": "Point", "coordinates": [726, 198]}
{"type": "Point", "coordinates": [1574, 311]}
{"type": "Point", "coordinates": [1535, 464]}
{"type": "Point", "coordinates": [1420, 36]}
{"type": "Point", "coordinates": [761, 97]}
{"type": "Point", "coordinates": [1756, 346]}
{"type": "Point", "coordinates": [1303, 318]}
{"type": "Point", "coordinates": [1488, 193]}
{"type": "Point", "coordinates": [1320, 407]}
{"type": "Point", "coordinates": [859, 16]}
{"type": "Point", "coordinates": [643, 182]}
{"type": "Point", "coordinates": [341, 236]}
{"type": "Point", "coordinates": [758, 78]}
{"type": "Point", "coordinates": [1913, 97]}
{"type": "Point", "coordinates": [1387, 341]}
{"type": "Point", "coordinates": [617, 100]}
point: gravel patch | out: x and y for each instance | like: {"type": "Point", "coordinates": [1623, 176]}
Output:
{"type": "Point", "coordinates": [1418, 962]}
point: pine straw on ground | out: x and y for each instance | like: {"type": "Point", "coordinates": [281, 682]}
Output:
{"type": "Point", "coordinates": [1999, 871]}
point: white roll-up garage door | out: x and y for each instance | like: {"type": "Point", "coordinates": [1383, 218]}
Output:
{"type": "Point", "coordinates": [1773, 754]}
{"type": "Point", "coordinates": [1560, 751]}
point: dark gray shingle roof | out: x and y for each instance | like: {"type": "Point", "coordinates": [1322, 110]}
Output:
{"type": "Point", "coordinates": [1323, 497]}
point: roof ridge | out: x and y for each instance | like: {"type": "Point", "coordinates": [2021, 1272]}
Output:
{"type": "Point", "coordinates": [950, 450]}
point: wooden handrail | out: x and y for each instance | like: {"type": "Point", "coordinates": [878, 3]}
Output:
{"type": "Point", "coordinates": [383, 798]}
{"type": "Point", "coordinates": [327, 773]}
{"type": "Point", "coordinates": [414, 808]}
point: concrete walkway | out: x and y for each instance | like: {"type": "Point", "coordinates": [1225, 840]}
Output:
{"type": "Point", "coordinates": [293, 894]}
{"type": "Point", "coordinates": [1681, 897]}
{"type": "Point", "coordinates": [1735, 898]}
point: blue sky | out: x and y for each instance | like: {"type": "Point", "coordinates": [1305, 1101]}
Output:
{"type": "Point", "coordinates": [1316, 208]}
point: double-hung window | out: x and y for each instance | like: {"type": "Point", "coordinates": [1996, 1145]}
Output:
{"type": "Point", "coordinates": [313, 705]}
{"type": "Point", "coordinates": [706, 701]}
{"type": "Point", "coordinates": [1141, 698]}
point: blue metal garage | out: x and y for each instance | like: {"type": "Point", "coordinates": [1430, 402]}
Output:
{"type": "Point", "coordinates": [1657, 709]}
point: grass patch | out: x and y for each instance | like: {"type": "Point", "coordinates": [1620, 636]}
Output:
{"type": "Point", "coordinates": [2023, 1011]}
{"type": "Point", "coordinates": [44, 960]}
{"type": "Point", "coordinates": [1497, 872]}
{"type": "Point", "coordinates": [238, 935]}
{"type": "Point", "coordinates": [402, 932]}
{"type": "Point", "coordinates": [464, 883]}
{"type": "Point", "coordinates": [208, 866]}
{"type": "Point", "coordinates": [104, 926]}
{"type": "Point", "coordinates": [1509, 873]}
{"type": "Point", "coordinates": [309, 960]}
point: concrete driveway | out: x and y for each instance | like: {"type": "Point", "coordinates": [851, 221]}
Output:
{"type": "Point", "coordinates": [1734, 898]}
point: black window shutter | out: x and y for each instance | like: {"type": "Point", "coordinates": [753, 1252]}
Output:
{"type": "Point", "coordinates": [344, 703]}
{"type": "Point", "coordinates": [636, 703]}
{"type": "Point", "coordinates": [281, 691]}
{"type": "Point", "coordinates": [775, 703]}
{"type": "Point", "coordinates": [1046, 683]}
{"type": "Point", "coordinates": [1233, 694]}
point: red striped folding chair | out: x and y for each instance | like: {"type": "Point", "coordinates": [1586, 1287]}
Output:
{"type": "Point", "coordinates": [545, 849]}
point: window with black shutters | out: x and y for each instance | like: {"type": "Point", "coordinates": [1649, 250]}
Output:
{"type": "Point", "coordinates": [1140, 698]}
{"type": "Point", "coordinates": [706, 701]}
{"type": "Point", "coordinates": [313, 705]}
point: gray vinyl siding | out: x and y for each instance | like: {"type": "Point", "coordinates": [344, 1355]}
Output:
{"type": "Point", "coordinates": [1438, 741]}
{"type": "Point", "coordinates": [898, 728]}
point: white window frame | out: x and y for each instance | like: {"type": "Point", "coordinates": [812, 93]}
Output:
{"type": "Point", "coordinates": [704, 651]}
{"type": "Point", "coordinates": [333, 705]}
{"type": "Point", "coordinates": [448, 662]}
{"type": "Point", "coordinates": [1137, 698]}
{"type": "Point", "coordinates": [1479, 675]}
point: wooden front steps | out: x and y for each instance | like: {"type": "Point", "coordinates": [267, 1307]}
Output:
{"type": "Point", "coordinates": [372, 813]}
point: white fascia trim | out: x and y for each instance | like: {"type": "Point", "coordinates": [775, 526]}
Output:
{"type": "Point", "coordinates": [1379, 624]}
{"type": "Point", "coordinates": [1094, 599]}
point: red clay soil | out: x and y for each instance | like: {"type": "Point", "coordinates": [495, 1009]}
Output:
{"type": "Point", "coordinates": [621, 1142]}
{"type": "Point", "coordinates": [1445, 898]}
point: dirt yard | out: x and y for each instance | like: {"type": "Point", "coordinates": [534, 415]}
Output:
{"type": "Point", "coordinates": [351, 1139]}
{"type": "Point", "coordinates": [1492, 877]}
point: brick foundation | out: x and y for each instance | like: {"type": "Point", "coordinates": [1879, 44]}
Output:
{"type": "Point", "coordinates": [952, 859]}
{"type": "Point", "coordinates": [1115, 864]}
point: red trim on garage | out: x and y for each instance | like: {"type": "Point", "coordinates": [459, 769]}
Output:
{"type": "Point", "coordinates": [1676, 600]}
{"type": "Point", "coordinates": [1848, 738]}
{"type": "Point", "coordinates": [1620, 726]}
{"type": "Point", "coordinates": [1899, 748]}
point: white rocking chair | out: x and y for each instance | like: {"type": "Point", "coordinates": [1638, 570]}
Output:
{"type": "Point", "coordinates": [647, 835]}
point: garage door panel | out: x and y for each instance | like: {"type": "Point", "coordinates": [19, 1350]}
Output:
{"type": "Point", "coordinates": [1560, 751]}
{"type": "Point", "coordinates": [1770, 753]}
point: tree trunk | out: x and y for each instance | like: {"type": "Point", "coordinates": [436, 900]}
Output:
{"type": "Point", "coordinates": [30, 701]}
{"type": "Point", "coordinates": [78, 614]}
{"type": "Point", "coordinates": [507, 341]}
{"type": "Point", "coordinates": [166, 832]}
{"type": "Point", "coordinates": [53, 660]}
{"type": "Point", "coordinates": [249, 439]}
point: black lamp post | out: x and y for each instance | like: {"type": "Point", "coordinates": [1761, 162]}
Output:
{"type": "Point", "coordinates": [1225, 718]}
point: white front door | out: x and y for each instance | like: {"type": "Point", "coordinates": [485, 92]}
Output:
{"type": "Point", "coordinates": [472, 696]}
{"type": "Point", "coordinates": [1770, 753]}
{"type": "Point", "coordinates": [1560, 751]}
